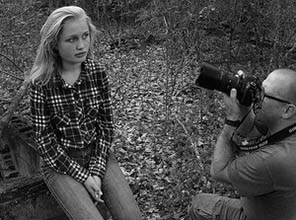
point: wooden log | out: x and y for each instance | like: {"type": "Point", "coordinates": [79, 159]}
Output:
{"type": "Point", "coordinates": [25, 158]}
{"type": "Point", "coordinates": [27, 198]}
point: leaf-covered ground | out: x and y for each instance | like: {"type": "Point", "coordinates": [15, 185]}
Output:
{"type": "Point", "coordinates": [164, 138]}
{"type": "Point", "coordinates": [165, 126]}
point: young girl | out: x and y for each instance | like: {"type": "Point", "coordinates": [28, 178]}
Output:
{"type": "Point", "coordinates": [72, 118]}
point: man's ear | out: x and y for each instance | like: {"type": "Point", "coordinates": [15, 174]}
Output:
{"type": "Point", "coordinates": [289, 111]}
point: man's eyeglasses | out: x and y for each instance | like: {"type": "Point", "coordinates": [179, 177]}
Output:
{"type": "Point", "coordinates": [264, 95]}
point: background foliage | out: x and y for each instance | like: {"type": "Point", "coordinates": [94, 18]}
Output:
{"type": "Point", "coordinates": [166, 127]}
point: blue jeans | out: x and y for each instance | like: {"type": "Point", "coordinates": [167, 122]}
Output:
{"type": "Point", "coordinates": [76, 202]}
{"type": "Point", "coordinates": [206, 206]}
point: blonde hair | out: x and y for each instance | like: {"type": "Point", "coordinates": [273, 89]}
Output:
{"type": "Point", "coordinates": [47, 60]}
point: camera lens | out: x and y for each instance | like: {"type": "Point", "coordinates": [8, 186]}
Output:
{"type": "Point", "coordinates": [212, 78]}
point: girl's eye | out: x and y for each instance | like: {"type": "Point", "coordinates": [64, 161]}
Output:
{"type": "Point", "coordinates": [71, 40]}
{"type": "Point", "coordinates": [85, 35]}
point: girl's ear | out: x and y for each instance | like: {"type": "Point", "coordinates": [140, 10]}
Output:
{"type": "Point", "coordinates": [55, 49]}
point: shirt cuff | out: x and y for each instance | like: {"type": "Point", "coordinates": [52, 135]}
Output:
{"type": "Point", "coordinates": [97, 166]}
{"type": "Point", "coordinates": [78, 172]}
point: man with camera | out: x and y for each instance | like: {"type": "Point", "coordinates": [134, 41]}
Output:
{"type": "Point", "coordinates": [261, 168]}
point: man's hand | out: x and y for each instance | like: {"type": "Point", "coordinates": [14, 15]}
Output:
{"type": "Point", "coordinates": [234, 110]}
{"type": "Point", "coordinates": [93, 185]}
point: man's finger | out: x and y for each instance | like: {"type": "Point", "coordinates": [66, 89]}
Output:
{"type": "Point", "coordinates": [233, 93]}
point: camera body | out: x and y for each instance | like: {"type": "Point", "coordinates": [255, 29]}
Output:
{"type": "Point", "coordinates": [248, 87]}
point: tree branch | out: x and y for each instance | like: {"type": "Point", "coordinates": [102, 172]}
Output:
{"type": "Point", "coordinates": [14, 103]}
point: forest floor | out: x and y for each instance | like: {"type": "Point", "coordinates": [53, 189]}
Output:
{"type": "Point", "coordinates": [164, 138]}
{"type": "Point", "coordinates": [166, 128]}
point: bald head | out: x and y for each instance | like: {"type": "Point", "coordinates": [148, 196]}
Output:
{"type": "Point", "coordinates": [282, 82]}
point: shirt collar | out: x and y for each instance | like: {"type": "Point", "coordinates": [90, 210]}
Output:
{"type": "Point", "coordinates": [57, 80]}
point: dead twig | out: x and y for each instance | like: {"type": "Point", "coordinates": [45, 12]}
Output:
{"type": "Point", "coordinates": [10, 60]}
{"type": "Point", "coordinates": [11, 75]}
{"type": "Point", "coordinates": [5, 101]}
{"type": "Point", "coordinates": [193, 143]}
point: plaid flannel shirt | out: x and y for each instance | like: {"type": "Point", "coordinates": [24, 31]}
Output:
{"type": "Point", "coordinates": [69, 117]}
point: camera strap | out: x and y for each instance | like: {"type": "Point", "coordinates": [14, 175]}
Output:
{"type": "Point", "coordinates": [246, 145]}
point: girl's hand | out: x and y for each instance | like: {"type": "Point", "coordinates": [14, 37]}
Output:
{"type": "Point", "coordinates": [93, 185]}
{"type": "Point", "coordinates": [99, 184]}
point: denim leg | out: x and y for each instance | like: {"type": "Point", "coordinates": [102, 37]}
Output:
{"type": "Point", "coordinates": [206, 206]}
{"type": "Point", "coordinates": [71, 196]}
{"type": "Point", "coordinates": [117, 193]}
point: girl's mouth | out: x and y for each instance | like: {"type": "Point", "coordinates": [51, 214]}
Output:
{"type": "Point", "coordinates": [81, 54]}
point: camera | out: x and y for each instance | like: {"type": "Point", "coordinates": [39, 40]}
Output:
{"type": "Point", "coordinates": [248, 87]}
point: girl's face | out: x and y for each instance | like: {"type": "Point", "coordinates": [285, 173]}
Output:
{"type": "Point", "coordinates": [74, 42]}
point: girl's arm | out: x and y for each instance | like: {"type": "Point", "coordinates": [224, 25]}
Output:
{"type": "Point", "coordinates": [105, 128]}
{"type": "Point", "coordinates": [47, 146]}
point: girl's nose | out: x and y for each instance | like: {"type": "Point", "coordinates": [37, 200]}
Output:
{"type": "Point", "coordinates": [80, 44]}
